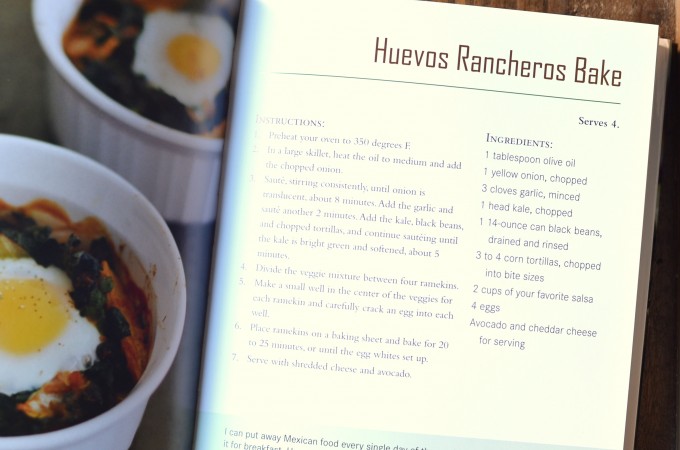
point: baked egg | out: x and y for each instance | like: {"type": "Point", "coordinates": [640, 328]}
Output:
{"type": "Point", "coordinates": [187, 55]}
{"type": "Point", "coordinates": [41, 331]}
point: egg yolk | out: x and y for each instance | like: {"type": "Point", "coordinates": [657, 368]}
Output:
{"type": "Point", "coordinates": [193, 56]}
{"type": "Point", "coordinates": [31, 315]}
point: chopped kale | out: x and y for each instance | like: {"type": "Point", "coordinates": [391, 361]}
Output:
{"type": "Point", "coordinates": [110, 372]}
{"type": "Point", "coordinates": [12, 421]}
{"type": "Point", "coordinates": [117, 327]}
{"type": "Point", "coordinates": [102, 250]}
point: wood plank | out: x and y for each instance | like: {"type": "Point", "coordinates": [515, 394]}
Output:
{"type": "Point", "coordinates": [659, 12]}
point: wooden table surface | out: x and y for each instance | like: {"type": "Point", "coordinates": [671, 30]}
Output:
{"type": "Point", "coordinates": [657, 424]}
{"type": "Point", "coordinates": [22, 112]}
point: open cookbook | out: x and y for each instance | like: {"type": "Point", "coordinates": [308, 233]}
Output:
{"type": "Point", "coordinates": [434, 229]}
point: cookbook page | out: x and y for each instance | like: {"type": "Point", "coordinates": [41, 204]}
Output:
{"type": "Point", "coordinates": [431, 230]}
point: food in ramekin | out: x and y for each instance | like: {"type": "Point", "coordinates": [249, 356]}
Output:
{"type": "Point", "coordinates": [167, 64]}
{"type": "Point", "coordinates": [74, 328]}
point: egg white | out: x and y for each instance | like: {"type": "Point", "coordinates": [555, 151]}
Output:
{"type": "Point", "coordinates": [74, 349]}
{"type": "Point", "coordinates": [151, 60]}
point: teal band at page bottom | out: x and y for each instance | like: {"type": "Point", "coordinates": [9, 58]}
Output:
{"type": "Point", "coordinates": [219, 432]}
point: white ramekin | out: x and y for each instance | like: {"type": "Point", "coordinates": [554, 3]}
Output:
{"type": "Point", "coordinates": [33, 169]}
{"type": "Point", "coordinates": [178, 172]}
